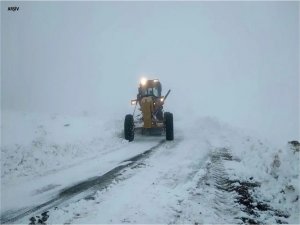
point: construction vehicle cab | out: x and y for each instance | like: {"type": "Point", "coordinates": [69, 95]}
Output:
{"type": "Point", "coordinates": [150, 113]}
{"type": "Point", "coordinates": [149, 88]}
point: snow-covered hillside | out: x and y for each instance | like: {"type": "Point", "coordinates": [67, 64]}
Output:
{"type": "Point", "coordinates": [81, 170]}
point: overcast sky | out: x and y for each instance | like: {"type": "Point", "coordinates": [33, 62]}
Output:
{"type": "Point", "coordinates": [236, 61]}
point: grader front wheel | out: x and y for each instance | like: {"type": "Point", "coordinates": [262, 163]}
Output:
{"type": "Point", "coordinates": [129, 128]}
{"type": "Point", "coordinates": [169, 126]}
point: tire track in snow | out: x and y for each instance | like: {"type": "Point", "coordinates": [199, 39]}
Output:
{"type": "Point", "coordinates": [85, 188]}
{"type": "Point", "coordinates": [229, 200]}
{"type": "Point", "coordinates": [241, 190]}
{"type": "Point", "coordinates": [205, 201]}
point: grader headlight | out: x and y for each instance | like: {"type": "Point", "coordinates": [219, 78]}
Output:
{"type": "Point", "coordinates": [133, 102]}
{"type": "Point", "coordinates": [143, 81]}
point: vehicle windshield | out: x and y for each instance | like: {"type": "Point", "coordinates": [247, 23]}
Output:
{"type": "Point", "coordinates": [149, 91]}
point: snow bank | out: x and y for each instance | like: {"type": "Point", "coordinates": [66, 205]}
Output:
{"type": "Point", "coordinates": [276, 168]}
{"type": "Point", "coordinates": [35, 144]}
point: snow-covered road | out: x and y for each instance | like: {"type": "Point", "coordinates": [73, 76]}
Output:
{"type": "Point", "coordinates": [210, 173]}
{"type": "Point", "coordinates": [82, 179]}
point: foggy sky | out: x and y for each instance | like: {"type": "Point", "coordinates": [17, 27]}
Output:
{"type": "Point", "coordinates": [236, 61]}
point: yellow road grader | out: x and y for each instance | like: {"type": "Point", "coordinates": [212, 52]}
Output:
{"type": "Point", "coordinates": [151, 115]}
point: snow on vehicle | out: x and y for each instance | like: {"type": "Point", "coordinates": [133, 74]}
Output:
{"type": "Point", "coordinates": [151, 116]}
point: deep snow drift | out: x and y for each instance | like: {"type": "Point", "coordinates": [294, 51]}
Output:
{"type": "Point", "coordinates": [210, 173]}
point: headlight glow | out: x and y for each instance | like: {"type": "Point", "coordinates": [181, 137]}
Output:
{"type": "Point", "coordinates": [162, 99]}
{"type": "Point", "coordinates": [133, 102]}
{"type": "Point", "coordinates": [143, 81]}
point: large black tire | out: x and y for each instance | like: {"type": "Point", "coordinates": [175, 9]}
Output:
{"type": "Point", "coordinates": [169, 126]}
{"type": "Point", "coordinates": [129, 128]}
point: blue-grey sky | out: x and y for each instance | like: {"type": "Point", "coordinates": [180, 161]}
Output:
{"type": "Point", "coordinates": [236, 61]}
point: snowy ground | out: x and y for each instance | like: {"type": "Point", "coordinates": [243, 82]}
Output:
{"type": "Point", "coordinates": [80, 170]}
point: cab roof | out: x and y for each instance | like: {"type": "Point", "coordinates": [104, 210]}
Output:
{"type": "Point", "coordinates": [150, 83]}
